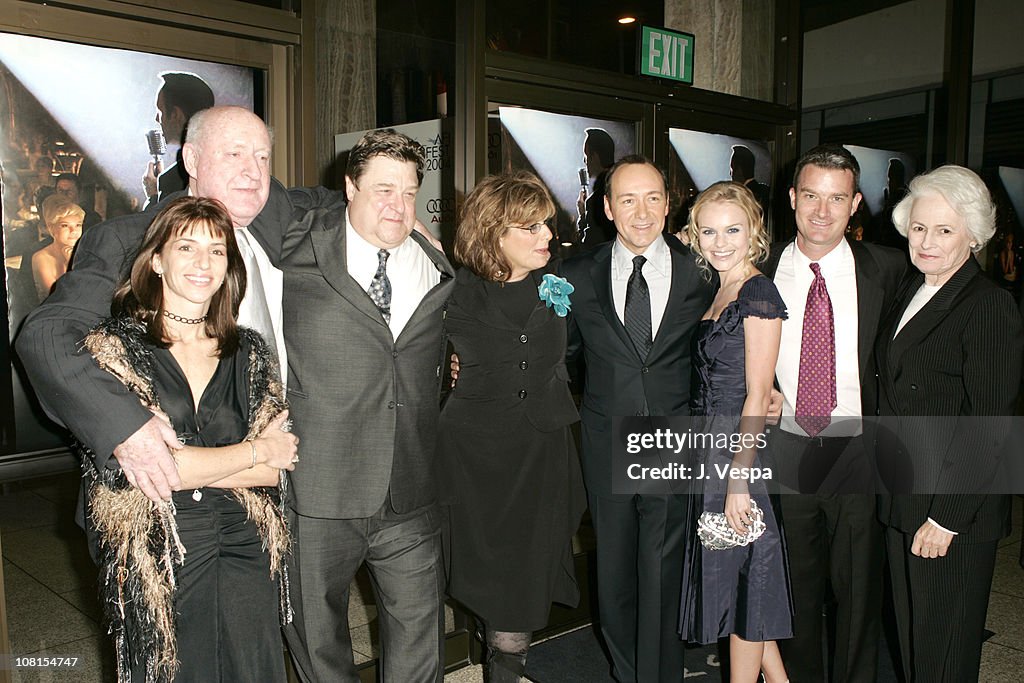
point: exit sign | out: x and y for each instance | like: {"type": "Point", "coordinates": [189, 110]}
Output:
{"type": "Point", "coordinates": [666, 54]}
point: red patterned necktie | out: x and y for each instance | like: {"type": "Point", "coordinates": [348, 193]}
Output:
{"type": "Point", "coordinates": [816, 386]}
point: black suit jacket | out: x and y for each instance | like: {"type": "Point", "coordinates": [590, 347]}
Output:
{"type": "Point", "coordinates": [365, 404]}
{"type": "Point", "coordinates": [505, 367]}
{"type": "Point", "coordinates": [618, 382]}
{"type": "Point", "coordinates": [878, 272]}
{"type": "Point", "coordinates": [73, 390]}
{"type": "Point", "coordinates": [959, 356]}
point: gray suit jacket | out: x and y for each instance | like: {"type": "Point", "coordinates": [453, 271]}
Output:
{"type": "Point", "coordinates": [365, 405]}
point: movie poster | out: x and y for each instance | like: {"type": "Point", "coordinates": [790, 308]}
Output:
{"type": "Point", "coordinates": [701, 159]}
{"type": "Point", "coordinates": [84, 124]}
{"type": "Point", "coordinates": [570, 154]}
{"type": "Point", "coordinates": [884, 175]}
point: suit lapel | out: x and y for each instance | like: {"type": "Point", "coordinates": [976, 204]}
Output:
{"type": "Point", "coordinates": [332, 260]}
{"type": "Point", "coordinates": [934, 312]}
{"type": "Point", "coordinates": [870, 297]}
{"type": "Point", "coordinates": [601, 275]}
{"type": "Point", "coordinates": [267, 226]}
{"type": "Point", "coordinates": [677, 294]}
{"type": "Point", "coordinates": [771, 264]}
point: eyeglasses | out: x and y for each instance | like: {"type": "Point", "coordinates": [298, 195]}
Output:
{"type": "Point", "coordinates": [532, 229]}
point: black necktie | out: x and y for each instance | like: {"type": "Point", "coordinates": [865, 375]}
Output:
{"type": "Point", "coordinates": [637, 316]}
{"type": "Point", "coordinates": [380, 286]}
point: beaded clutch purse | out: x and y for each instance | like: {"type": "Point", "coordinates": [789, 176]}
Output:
{"type": "Point", "coordinates": [715, 533]}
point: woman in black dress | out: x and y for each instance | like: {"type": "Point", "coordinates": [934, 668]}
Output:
{"type": "Point", "coordinates": [193, 588]}
{"type": "Point", "coordinates": [741, 592]}
{"type": "Point", "coordinates": [510, 467]}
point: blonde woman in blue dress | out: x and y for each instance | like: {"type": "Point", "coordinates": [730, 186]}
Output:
{"type": "Point", "coordinates": [741, 592]}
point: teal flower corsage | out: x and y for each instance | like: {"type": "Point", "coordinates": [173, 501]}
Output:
{"type": "Point", "coordinates": [554, 291]}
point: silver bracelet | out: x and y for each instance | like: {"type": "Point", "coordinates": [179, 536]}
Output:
{"type": "Point", "coordinates": [252, 445]}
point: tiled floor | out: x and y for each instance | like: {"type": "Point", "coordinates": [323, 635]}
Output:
{"type": "Point", "coordinates": [51, 608]}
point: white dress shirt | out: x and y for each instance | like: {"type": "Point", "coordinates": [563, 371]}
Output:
{"type": "Point", "coordinates": [273, 288]}
{"type": "Point", "coordinates": [793, 279]}
{"type": "Point", "coordinates": [410, 270]}
{"type": "Point", "coordinates": [657, 272]}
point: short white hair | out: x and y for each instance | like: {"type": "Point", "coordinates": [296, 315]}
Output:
{"type": "Point", "coordinates": [965, 193]}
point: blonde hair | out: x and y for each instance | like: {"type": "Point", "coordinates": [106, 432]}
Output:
{"type": "Point", "coordinates": [58, 206]}
{"type": "Point", "coordinates": [738, 194]}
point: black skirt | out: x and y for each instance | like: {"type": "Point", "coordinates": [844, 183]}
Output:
{"type": "Point", "coordinates": [517, 499]}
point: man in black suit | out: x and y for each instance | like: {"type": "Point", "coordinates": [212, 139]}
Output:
{"type": "Point", "coordinates": [636, 304]}
{"type": "Point", "coordinates": [363, 298]}
{"type": "Point", "coordinates": [228, 158]}
{"type": "Point", "coordinates": [832, 539]}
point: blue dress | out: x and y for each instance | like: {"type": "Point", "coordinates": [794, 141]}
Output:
{"type": "Point", "coordinates": [742, 590]}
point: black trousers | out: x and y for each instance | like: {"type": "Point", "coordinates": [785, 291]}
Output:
{"type": "Point", "coordinates": [940, 606]}
{"type": "Point", "coordinates": [639, 579]}
{"type": "Point", "coordinates": [226, 603]}
{"type": "Point", "coordinates": [834, 542]}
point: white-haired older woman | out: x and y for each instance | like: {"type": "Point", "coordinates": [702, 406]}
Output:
{"type": "Point", "coordinates": [937, 355]}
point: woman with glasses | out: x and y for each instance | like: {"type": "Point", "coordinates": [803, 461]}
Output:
{"type": "Point", "coordinates": [510, 469]}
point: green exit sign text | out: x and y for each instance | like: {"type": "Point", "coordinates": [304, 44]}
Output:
{"type": "Point", "coordinates": [666, 54]}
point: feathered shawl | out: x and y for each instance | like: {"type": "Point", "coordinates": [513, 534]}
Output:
{"type": "Point", "coordinates": [139, 546]}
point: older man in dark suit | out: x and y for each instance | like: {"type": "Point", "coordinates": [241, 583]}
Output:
{"type": "Point", "coordinates": [836, 292]}
{"type": "Point", "coordinates": [363, 300]}
{"type": "Point", "coordinates": [637, 302]}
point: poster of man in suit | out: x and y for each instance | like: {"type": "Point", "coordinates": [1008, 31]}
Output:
{"type": "Point", "coordinates": [699, 159]}
{"type": "Point", "coordinates": [91, 126]}
{"type": "Point", "coordinates": [568, 153]}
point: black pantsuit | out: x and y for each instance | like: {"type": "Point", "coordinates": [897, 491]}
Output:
{"type": "Point", "coordinates": [941, 647]}
{"type": "Point", "coordinates": [641, 536]}
{"type": "Point", "coordinates": [959, 356]}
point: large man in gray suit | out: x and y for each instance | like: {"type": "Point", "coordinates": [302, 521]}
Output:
{"type": "Point", "coordinates": [363, 298]}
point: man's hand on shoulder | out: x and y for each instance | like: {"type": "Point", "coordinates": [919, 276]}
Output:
{"type": "Point", "coordinates": [146, 459]}
{"type": "Point", "coordinates": [422, 229]}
